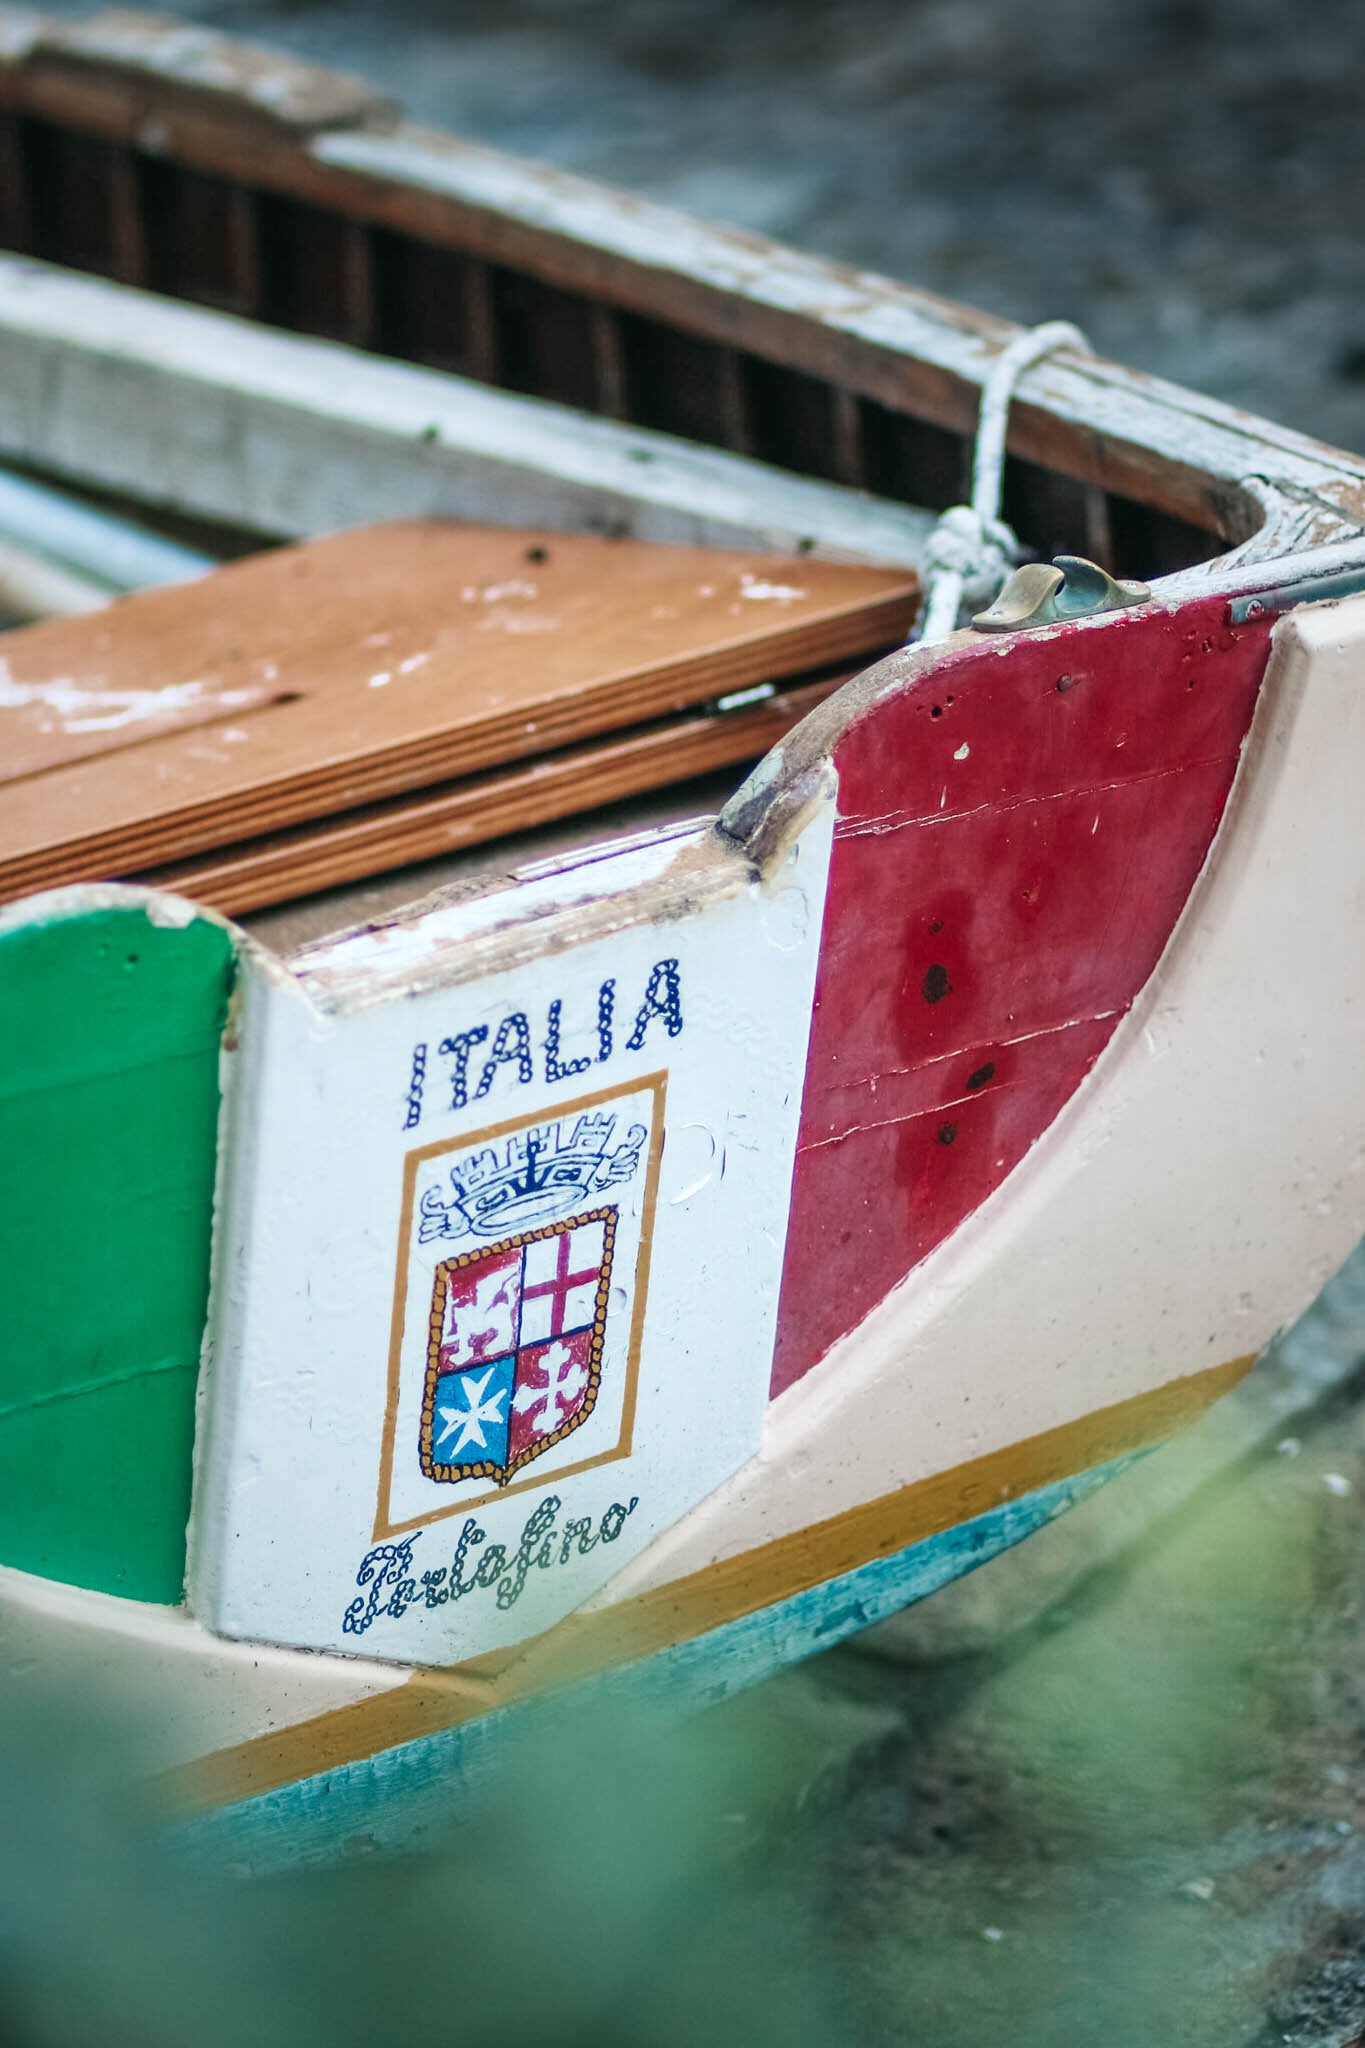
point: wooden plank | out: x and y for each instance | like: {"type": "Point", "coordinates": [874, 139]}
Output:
{"type": "Point", "coordinates": [129, 51]}
{"type": "Point", "coordinates": [354, 847]}
{"type": "Point", "coordinates": [390, 659]}
{"type": "Point", "coordinates": [51, 720]}
{"type": "Point", "coordinates": [295, 436]}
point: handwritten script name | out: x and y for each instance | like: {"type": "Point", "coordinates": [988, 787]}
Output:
{"type": "Point", "coordinates": [390, 1586]}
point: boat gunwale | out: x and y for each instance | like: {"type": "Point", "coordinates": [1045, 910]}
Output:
{"type": "Point", "coordinates": [913, 352]}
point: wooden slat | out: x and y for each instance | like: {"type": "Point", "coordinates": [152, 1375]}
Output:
{"type": "Point", "coordinates": [608, 363]}
{"type": "Point", "coordinates": [244, 251]}
{"type": "Point", "coordinates": [385, 836]}
{"type": "Point", "coordinates": [393, 658]}
{"type": "Point", "coordinates": [294, 436]}
{"type": "Point", "coordinates": [357, 285]}
{"type": "Point", "coordinates": [127, 238]}
{"type": "Point", "coordinates": [478, 324]}
{"type": "Point", "coordinates": [847, 436]}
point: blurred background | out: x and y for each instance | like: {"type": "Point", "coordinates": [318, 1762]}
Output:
{"type": "Point", "coordinates": [1110, 1790]}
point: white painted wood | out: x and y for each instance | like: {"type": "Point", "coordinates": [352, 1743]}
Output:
{"type": "Point", "coordinates": [1296, 1381]}
{"type": "Point", "coordinates": [356, 1168]}
{"type": "Point", "coordinates": [122, 43]}
{"type": "Point", "coordinates": [1192, 1197]}
{"type": "Point", "coordinates": [198, 1692]}
{"type": "Point", "coordinates": [215, 416]}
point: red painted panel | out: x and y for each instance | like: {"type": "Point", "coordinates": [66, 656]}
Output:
{"type": "Point", "coordinates": [1017, 833]}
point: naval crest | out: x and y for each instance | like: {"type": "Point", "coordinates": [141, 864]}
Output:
{"type": "Point", "coordinates": [531, 1178]}
{"type": "Point", "coordinates": [524, 1257]}
{"type": "Point", "coordinates": [514, 1355]}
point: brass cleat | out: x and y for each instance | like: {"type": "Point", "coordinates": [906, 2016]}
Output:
{"type": "Point", "coordinates": [1050, 593]}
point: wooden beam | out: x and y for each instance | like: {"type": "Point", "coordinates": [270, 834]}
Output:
{"type": "Point", "coordinates": [214, 416]}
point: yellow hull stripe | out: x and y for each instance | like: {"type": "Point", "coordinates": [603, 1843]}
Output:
{"type": "Point", "coordinates": [430, 1700]}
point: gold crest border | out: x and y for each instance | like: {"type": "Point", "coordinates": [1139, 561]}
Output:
{"type": "Point", "coordinates": [657, 1085]}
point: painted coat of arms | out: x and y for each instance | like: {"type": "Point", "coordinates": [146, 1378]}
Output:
{"type": "Point", "coordinates": [523, 1263]}
{"type": "Point", "coordinates": [515, 1353]}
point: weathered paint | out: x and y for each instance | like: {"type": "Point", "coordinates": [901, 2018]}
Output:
{"type": "Point", "coordinates": [613, 251]}
{"type": "Point", "coordinates": [1199, 1187]}
{"type": "Point", "coordinates": [110, 1025]}
{"type": "Point", "coordinates": [392, 1801]}
{"type": "Point", "coordinates": [292, 435]}
{"type": "Point", "coordinates": [503, 1209]}
{"type": "Point", "coordinates": [268, 87]}
{"type": "Point", "coordinates": [1018, 830]}
{"type": "Point", "coordinates": [197, 1690]}
{"type": "Point", "coordinates": [1075, 1298]}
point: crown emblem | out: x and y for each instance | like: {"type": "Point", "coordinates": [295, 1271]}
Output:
{"type": "Point", "coordinates": [534, 1177]}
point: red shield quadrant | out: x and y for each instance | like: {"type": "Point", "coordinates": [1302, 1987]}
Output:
{"type": "Point", "coordinates": [514, 1357]}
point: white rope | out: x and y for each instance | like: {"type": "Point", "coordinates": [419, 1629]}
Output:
{"type": "Point", "coordinates": [972, 550]}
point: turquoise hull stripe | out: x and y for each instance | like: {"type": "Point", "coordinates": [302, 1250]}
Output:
{"type": "Point", "coordinates": [392, 1800]}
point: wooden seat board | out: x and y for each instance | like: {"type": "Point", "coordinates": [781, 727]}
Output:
{"type": "Point", "coordinates": [53, 720]}
{"type": "Point", "coordinates": [394, 658]}
{"type": "Point", "coordinates": [422, 827]}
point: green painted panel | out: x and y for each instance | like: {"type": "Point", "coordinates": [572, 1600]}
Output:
{"type": "Point", "coordinates": [109, 1034]}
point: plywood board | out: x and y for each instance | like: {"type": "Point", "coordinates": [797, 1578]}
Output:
{"type": "Point", "coordinates": [382, 661]}
{"type": "Point", "coordinates": [357, 844]}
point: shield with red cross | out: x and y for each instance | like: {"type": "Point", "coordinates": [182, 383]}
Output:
{"type": "Point", "coordinates": [514, 1355]}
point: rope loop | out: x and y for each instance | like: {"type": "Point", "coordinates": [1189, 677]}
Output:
{"type": "Point", "coordinates": [971, 550]}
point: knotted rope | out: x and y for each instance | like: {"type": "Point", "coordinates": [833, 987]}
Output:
{"type": "Point", "coordinates": [972, 550]}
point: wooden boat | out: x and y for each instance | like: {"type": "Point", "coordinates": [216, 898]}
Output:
{"type": "Point", "coordinates": [654, 1261]}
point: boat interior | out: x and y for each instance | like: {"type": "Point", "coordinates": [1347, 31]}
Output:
{"type": "Point", "coordinates": [296, 256]}
{"type": "Point", "coordinates": [324, 215]}
{"type": "Point", "coordinates": [342, 270]}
